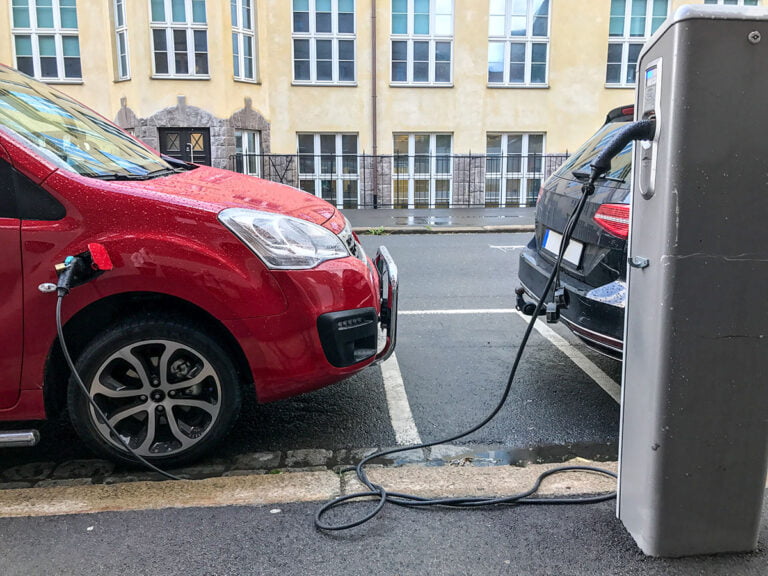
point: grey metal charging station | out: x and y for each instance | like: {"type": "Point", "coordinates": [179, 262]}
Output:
{"type": "Point", "coordinates": [694, 418]}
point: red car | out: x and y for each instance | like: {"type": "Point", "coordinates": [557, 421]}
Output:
{"type": "Point", "coordinates": [219, 281]}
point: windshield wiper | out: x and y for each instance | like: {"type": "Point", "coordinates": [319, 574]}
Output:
{"type": "Point", "coordinates": [129, 176]}
{"type": "Point", "coordinates": [583, 176]}
{"type": "Point", "coordinates": [178, 165]}
{"type": "Point", "coordinates": [161, 172]}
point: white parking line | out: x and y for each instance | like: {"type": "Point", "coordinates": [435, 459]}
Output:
{"type": "Point", "coordinates": [397, 401]}
{"type": "Point", "coordinates": [587, 366]}
{"type": "Point", "coordinates": [506, 248]}
{"type": "Point", "coordinates": [450, 312]}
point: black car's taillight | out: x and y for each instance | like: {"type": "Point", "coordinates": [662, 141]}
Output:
{"type": "Point", "coordinates": [614, 218]}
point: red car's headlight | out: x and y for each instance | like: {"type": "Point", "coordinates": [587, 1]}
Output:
{"type": "Point", "coordinates": [283, 242]}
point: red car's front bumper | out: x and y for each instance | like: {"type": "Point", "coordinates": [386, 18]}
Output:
{"type": "Point", "coordinates": [330, 330]}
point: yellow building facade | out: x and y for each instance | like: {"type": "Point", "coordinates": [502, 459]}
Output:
{"type": "Point", "coordinates": [346, 84]}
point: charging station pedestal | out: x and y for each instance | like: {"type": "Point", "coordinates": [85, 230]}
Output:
{"type": "Point", "coordinates": [694, 413]}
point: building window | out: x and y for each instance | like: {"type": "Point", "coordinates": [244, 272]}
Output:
{"type": "Point", "coordinates": [243, 39]}
{"type": "Point", "coordinates": [513, 169]}
{"type": "Point", "coordinates": [518, 42]}
{"type": "Point", "coordinates": [328, 167]}
{"type": "Point", "coordinates": [422, 170]}
{"type": "Point", "coordinates": [179, 38]}
{"type": "Point", "coordinates": [422, 41]}
{"type": "Point", "coordinates": [45, 39]}
{"type": "Point", "coordinates": [632, 22]}
{"type": "Point", "coordinates": [324, 41]}
{"type": "Point", "coordinates": [734, 2]}
{"type": "Point", "coordinates": [248, 152]}
{"type": "Point", "coordinates": [121, 41]}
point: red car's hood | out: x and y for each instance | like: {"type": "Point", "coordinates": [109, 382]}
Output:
{"type": "Point", "coordinates": [220, 189]}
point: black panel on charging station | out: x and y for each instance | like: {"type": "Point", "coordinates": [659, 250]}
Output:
{"type": "Point", "coordinates": [694, 421]}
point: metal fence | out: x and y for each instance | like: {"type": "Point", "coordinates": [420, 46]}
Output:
{"type": "Point", "coordinates": [417, 181]}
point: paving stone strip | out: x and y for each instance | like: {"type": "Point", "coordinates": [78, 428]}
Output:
{"type": "Point", "coordinates": [85, 471]}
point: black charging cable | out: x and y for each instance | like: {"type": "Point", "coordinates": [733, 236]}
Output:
{"type": "Point", "coordinates": [559, 298]}
{"type": "Point", "coordinates": [376, 491]}
{"type": "Point", "coordinates": [641, 130]}
{"type": "Point", "coordinates": [62, 289]}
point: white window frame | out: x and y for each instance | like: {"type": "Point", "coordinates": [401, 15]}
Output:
{"type": "Point", "coordinates": [312, 37]}
{"type": "Point", "coordinates": [432, 175]}
{"type": "Point", "coordinates": [339, 174]}
{"type": "Point", "coordinates": [529, 40]}
{"type": "Point", "coordinates": [121, 32]}
{"type": "Point", "coordinates": [732, 3]}
{"type": "Point", "coordinates": [525, 175]}
{"type": "Point", "coordinates": [410, 37]}
{"type": "Point", "coordinates": [626, 40]}
{"type": "Point", "coordinates": [189, 27]}
{"type": "Point", "coordinates": [243, 34]}
{"type": "Point", "coordinates": [250, 148]}
{"type": "Point", "coordinates": [58, 32]}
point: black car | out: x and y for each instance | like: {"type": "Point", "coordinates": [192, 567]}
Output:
{"type": "Point", "coordinates": [594, 267]}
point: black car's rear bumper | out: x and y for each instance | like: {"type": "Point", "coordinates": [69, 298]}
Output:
{"type": "Point", "coordinates": [599, 324]}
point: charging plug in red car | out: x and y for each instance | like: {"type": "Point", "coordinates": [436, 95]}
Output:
{"type": "Point", "coordinates": [218, 281]}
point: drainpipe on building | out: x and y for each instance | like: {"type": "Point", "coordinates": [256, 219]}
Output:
{"type": "Point", "coordinates": [374, 106]}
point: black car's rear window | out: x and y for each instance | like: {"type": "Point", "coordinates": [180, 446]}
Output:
{"type": "Point", "coordinates": [621, 165]}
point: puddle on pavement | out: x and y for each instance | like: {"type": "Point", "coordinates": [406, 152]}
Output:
{"type": "Point", "coordinates": [509, 456]}
{"type": "Point", "coordinates": [445, 220]}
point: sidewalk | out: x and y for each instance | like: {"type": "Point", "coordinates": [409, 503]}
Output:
{"type": "Point", "coordinates": [440, 220]}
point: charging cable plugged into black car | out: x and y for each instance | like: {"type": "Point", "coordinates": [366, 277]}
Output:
{"type": "Point", "coordinates": [642, 130]}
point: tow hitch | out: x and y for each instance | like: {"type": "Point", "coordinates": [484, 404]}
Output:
{"type": "Point", "coordinates": [522, 305]}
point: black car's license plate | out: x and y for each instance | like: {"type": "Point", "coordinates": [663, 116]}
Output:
{"type": "Point", "coordinates": [552, 242]}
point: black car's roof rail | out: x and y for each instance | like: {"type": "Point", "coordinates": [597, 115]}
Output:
{"type": "Point", "coordinates": [621, 114]}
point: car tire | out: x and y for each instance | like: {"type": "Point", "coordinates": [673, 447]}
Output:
{"type": "Point", "coordinates": [169, 389]}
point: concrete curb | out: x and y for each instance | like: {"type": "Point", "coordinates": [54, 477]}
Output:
{"type": "Point", "coordinates": [384, 230]}
{"type": "Point", "coordinates": [268, 489]}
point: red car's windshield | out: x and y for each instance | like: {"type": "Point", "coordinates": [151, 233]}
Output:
{"type": "Point", "coordinates": [69, 134]}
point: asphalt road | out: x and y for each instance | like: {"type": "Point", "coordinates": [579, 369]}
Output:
{"type": "Point", "coordinates": [281, 540]}
{"type": "Point", "coordinates": [454, 366]}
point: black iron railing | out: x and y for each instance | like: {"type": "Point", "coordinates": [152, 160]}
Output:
{"type": "Point", "coordinates": [417, 181]}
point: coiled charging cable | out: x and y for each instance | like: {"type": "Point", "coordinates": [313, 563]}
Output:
{"type": "Point", "coordinates": [378, 492]}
